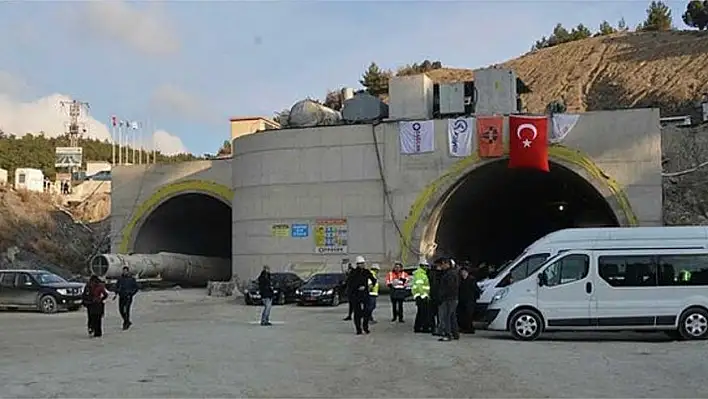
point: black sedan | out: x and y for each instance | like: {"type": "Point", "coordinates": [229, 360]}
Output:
{"type": "Point", "coordinates": [323, 289]}
{"type": "Point", "coordinates": [285, 285]}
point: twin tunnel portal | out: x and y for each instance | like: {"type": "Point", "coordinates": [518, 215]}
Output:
{"type": "Point", "coordinates": [488, 215]}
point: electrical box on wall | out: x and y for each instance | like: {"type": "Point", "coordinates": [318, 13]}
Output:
{"type": "Point", "coordinates": [495, 91]}
{"type": "Point", "coordinates": [453, 99]}
{"type": "Point", "coordinates": [410, 97]}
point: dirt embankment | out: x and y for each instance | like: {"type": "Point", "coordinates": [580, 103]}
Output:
{"type": "Point", "coordinates": [36, 232]}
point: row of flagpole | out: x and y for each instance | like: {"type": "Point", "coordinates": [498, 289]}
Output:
{"type": "Point", "coordinates": [122, 131]}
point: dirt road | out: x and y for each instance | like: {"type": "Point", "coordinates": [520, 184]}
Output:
{"type": "Point", "coordinates": [185, 344]}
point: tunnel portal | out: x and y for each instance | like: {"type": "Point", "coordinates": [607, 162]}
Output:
{"type": "Point", "coordinates": [191, 224]}
{"type": "Point", "coordinates": [494, 212]}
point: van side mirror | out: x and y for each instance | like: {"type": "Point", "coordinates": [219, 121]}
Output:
{"type": "Point", "coordinates": [542, 280]}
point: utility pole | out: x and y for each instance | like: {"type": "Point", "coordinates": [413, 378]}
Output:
{"type": "Point", "coordinates": [75, 131]}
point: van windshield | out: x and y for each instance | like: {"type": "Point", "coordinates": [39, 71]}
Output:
{"type": "Point", "coordinates": [508, 264]}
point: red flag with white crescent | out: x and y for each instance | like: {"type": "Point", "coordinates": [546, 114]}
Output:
{"type": "Point", "coordinates": [528, 142]}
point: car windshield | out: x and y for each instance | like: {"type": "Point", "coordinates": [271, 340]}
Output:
{"type": "Point", "coordinates": [279, 277]}
{"type": "Point", "coordinates": [326, 279]}
{"type": "Point", "coordinates": [48, 278]}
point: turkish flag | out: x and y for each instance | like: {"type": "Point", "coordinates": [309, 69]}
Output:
{"type": "Point", "coordinates": [528, 142]}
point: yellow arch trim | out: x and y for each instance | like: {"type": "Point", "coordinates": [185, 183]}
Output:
{"type": "Point", "coordinates": [454, 172]}
{"type": "Point", "coordinates": [164, 193]}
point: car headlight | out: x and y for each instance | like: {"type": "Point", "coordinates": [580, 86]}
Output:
{"type": "Point", "coordinates": [245, 291]}
{"type": "Point", "coordinates": [63, 291]}
{"type": "Point", "coordinates": [298, 292]}
{"type": "Point", "coordinates": [329, 292]}
{"type": "Point", "coordinates": [499, 295]}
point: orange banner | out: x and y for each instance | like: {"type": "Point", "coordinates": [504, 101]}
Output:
{"type": "Point", "coordinates": [490, 131]}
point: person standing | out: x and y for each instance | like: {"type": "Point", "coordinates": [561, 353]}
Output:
{"type": "Point", "coordinates": [93, 298]}
{"type": "Point", "coordinates": [396, 282]}
{"type": "Point", "coordinates": [359, 280]}
{"type": "Point", "coordinates": [373, 292]}
{"type": "Point", "coordinates": [421, 294]}
{"type": "Point", "coordinates": [265, 288]}
{"type": "Point", "coordinates": [469, 293]}
{"type": "Point", "coordinates": [347, 287]}
{"type": "Point", "coordinates": [434, 278]}
{"type": "Point", "coordinates": [449, 294]}
{"type": "Point", "coordinates": [126, 288]}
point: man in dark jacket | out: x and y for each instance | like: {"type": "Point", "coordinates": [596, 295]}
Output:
{"type": "Point", "coordinates": [469, 293]}
{"type": "Point", "coordinates": [126, 288]}
{"type": "Point", "coordinates": [265, 288]}
{"type": "Point", "coordinates": [347, 287]}
{"type": "Point", "coordinates": [434, 274]}
{"type": "Point", "coordinates": [359, 279]}
{"type": "Point", "coordinates": [449, 294]}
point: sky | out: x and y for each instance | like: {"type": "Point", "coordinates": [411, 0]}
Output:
{"type": "Point", "coordinates": [183, 68]}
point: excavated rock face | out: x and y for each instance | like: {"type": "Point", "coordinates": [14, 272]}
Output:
{"type": "Point", "coordinates": [685, 188]}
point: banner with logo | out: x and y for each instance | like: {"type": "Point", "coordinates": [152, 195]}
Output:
{"type": "Point", "coordinates": [459, 136]}
{"type": "Point", "coordinates": [417, 136]}
{"type": "Point", "coordinates": [562, 124]}
{"type": "Point", "coordinates": [490, 136]}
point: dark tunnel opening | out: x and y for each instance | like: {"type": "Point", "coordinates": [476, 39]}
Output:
{"type": "Point", "coordinates": [496, 212]}
{"type": "Point", "coordinates": [190, 224]}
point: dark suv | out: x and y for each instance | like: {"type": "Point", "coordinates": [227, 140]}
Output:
{"type": "Point", "coordinates": [38, 289]}
{"type": "Point", "coordinates": [284, 286]}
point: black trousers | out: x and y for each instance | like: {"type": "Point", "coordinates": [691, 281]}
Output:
{"type": "Point", "coordinates": [361, 313]}
{"type": "Point", "coordinates": [465, 316]}
{"type": "Point", "coordinates": [423, 320]}
{"type": "Point", "coordinates": [95, 318]}
{"type": "Point", "coordinates": [125, 302]}
{"type": "Point", "coordinates": [433, 316]}
{"type": "Point", "coordinates": [397, 308]}
{"type": "Point", "coordinates": [351, 301]}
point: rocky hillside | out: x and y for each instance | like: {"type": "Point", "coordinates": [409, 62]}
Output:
{"type": "Point", "coordinates": [35, 232]}
{"type": "Point", "coordinates": [668, 70]}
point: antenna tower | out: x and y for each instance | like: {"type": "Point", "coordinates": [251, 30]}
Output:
{"type": "Point", "coordinates": [74, 130]}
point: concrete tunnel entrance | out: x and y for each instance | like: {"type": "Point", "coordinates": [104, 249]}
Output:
{"type": "Point", "coordinates": [494, 212]}
{"type": "Point", "coordinates": [190, 224]}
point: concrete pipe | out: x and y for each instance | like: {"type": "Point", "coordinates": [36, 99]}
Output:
{"type": "Point", "coordinates": [168, 266]}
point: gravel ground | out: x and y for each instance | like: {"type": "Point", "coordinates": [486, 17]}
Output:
{"type": "Point", "coordinates": [184, 344]}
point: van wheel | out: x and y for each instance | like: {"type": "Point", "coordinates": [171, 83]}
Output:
{"type": "Point", "coordinates": [694, 324]}
{"type": "Point", "coordinates": [47, 304]}
{"type": "Point", "coordinates": [525, 325]}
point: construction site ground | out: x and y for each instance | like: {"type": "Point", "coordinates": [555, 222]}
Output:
{"type": "Point", "coordinates": [185, 344]}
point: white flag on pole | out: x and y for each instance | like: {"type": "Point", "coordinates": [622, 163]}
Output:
{"type": "Point", "coordinates": [562, 125]}
{"type": "Point", "coordinates": [417, 137]}
{"type": "Point", "coordinates": [459, 136]}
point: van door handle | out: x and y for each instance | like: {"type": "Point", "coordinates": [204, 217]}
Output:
{"type": "Point", "coordinates": [588, 287]}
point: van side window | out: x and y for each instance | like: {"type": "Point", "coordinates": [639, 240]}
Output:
{"type": "Point", "coordinates": [528, 266]}
{"type": "Point", "coordinates": [627, 271]}
{"type": "Point", "coordinates": [683, 270]}
{"type": "Point", "coordinates": [567, 270]}
{"type": "Point", "coordinates": [7, 280]}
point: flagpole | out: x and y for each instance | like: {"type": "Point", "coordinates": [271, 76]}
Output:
{"type": "Point", "coordinates": [140, 154]}
{"type": "Point", "coordinates": [120, 144]}
{"type": "Point", "coordinates": [113, 143]}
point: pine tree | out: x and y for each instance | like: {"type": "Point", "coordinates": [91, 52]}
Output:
{"type": "Point", "coordinates": [696, 15]}
{"type": "Point", "coordinates": [605, 29]}
{"type": "Point", "coordinates": [658, 18]}
{"type": "Point", "coordinates": [375, 80]}
{"type": "Point", "coordinates": [622, 25]}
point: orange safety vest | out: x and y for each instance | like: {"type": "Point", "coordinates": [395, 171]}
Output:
{"type": "Point", "coordinates": [394, 279]}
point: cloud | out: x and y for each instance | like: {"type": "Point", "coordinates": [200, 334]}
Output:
{"type": "Point", "coordinates": [146, 29]}
{"type": "Point", "coordinates": [167, 143]}
{"type": "Point", "coordinates": [172, 101]}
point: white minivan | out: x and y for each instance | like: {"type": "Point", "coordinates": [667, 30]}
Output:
{"type": "Point", "coordinates": [609, 290]}
{"type": "Point", "coordinates": [686, 237]}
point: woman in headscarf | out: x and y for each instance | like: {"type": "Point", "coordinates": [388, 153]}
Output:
{"type": "Point", "coordinates": [94, 296]}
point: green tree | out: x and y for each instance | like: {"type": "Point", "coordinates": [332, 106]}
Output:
{"type": "Point", "coordinates": [622, 25]}
{"type": "Point", "coordinates": [696, 15]}
{"type": "Point", "coordinates": [580, 32]}
{"type": "Point", "coordinates": [333, 100]}
{"type": "Point", "coordinates": [605, 29]}
{"type": "Point", "coordinates": [556, 107]}
{"type": "Point", "coordinates": [658, 18]}
{"type": "Point", "coordinates": [225, 148]}
{"type": "Point", "coordinates": [415, 68]}
{"type": "Point", "coordinates": [375, 80]}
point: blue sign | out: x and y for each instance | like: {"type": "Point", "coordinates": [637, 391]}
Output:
{"type": "Point", "coordinates": [299, 230]}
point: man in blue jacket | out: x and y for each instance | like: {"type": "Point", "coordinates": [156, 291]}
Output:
{"type": "Point", "coordinates": [126, 288]}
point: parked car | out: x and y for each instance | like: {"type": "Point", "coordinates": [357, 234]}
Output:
{"type": "Point", "coordinates": [323, 289]}
{"type": "Point", "coordinates": [38, 289]}
{"type": "Point", "coordinates": [104, 175]}
{"type": "Point", "coordinates": [284, 286]}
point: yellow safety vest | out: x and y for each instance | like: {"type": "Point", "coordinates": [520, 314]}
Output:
{"type": "Point", "coordinates": [374, 288]}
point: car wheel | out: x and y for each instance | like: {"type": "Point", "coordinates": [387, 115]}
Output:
{"type": "Point", "coordinates": [48, 304]}
{"type": "Point", "coordinates": [280, 300]}
{"type": "Point", "coordinates": [525, 325]}
{"type": "Point", "coordinates": [335, 299]}
{"type": "Point", "coordinates": [694, 324]}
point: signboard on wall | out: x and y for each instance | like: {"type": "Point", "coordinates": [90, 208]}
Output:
{"type": "Point", "coordinates": [331, 236]}
{"type": "Point", "coordinates": [300, 230]}
{"type": "Point", "coordinates": [68, 157]}
{"type": "Point", "coordinates": [281, 230]}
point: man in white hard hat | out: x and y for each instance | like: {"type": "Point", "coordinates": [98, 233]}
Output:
{"type": "Point", "coordinates": [373, 292]}
{"type": "Point", "coordinates": [359, 280]}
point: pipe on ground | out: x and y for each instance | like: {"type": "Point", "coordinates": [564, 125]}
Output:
{"type": "Point", "coordinates": [168, 266]}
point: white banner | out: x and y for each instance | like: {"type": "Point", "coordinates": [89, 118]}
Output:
{"type": "Point", "coordinates": [562, 125]}
{"type": "Point", "coordinates": [459, 136]}
{"type": "Point", "coordinates": [417, 137]}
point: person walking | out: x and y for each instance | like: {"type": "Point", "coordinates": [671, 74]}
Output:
{"type": "Point", "coordinates": [434, 274]}
{"type": "Point", "coordinates": [360, 279]}
{"type": "Point", "coordinates": [396, 282]}
{"type": "Point", "coordinates": [449, 294]}
{"type": "Point", "coordinates": [373, 292]}
{"type": "Point", "coordinates": [265, 288]}
{"type": "Point", "coordinates": [126, 288]}
{"type": "Point", "coordinates": [348, 289]}
{"type": "Point", "coordinates": [469, 293]}
{"type": "Point", "coordinates": [94, 296]}
{"type": "Point", "coordinates": [421, 294]}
